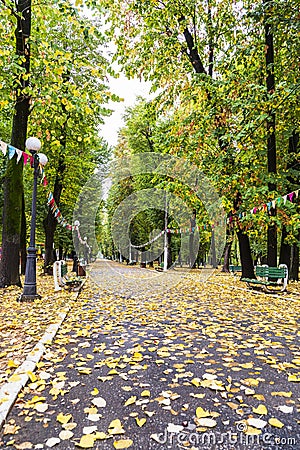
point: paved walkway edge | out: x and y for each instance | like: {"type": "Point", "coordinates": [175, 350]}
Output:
{"type": "Point", "coordinates": [10, 390]}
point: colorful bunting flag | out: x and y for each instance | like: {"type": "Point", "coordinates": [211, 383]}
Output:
{"type": "Point", "coordinates": [3, 147]}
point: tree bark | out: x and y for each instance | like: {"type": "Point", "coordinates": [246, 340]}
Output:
{"type": "Point", "coordinates": [294, 266]}
{"type": "Point", "coordinates": [245, 251]}
{"type": "Point", "coordinates": [285, 249]}
{"type": "Point", "coordinates": [289, 254]}
{"type": "Point", "coordinates": [214, 261]}
{"type": "Point", "coordinates": [227, 251]}
{"type": "Point", "coordinates": [169, 262]}
{"type": "Point", "coordinates": [244, 245]}
{"type": "Point", "coordinates": [192, 51]}
{"type": "Point", "coordinates": [271, 144]}
{"type": "Point", "coordinates": [13, 182]}
{"type": "Point", "coordinates": [50, 224]}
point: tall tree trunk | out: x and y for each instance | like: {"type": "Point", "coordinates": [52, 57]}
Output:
{"type": "Point", "coordinates": [289, 254]}
{"type": "Point", "coordinates": [294, 266]}
{"type": "Point", "coordinates": [13, 183]}
{"type": "Point", "coordinates": [244, 245]}
{"type": "Point", "coordinates": [169, 263]}
{"type": "Point", "coordinates": [214, 261]}
{"type": "Point", "coordinates": [245, 251]}
{"type": "Point", "coordinates": [210, 41]}
{"type": "Point", "coordinates": [194, 57]}
{"type": "Point", "coordinates": [227, 251]}
{"type": "Point", "coordinates": [50, 222]}
{"type": "Point", "coordinates": [271, 145]}
{"type": "Point", "coordinates": [285, 249]}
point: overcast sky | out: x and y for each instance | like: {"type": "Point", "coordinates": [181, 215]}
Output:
{"type": "Point", "coordinates": [129, 90]}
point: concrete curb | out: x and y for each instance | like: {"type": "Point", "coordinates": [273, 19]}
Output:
{"type": "Point", "coordinates": [10, 390]}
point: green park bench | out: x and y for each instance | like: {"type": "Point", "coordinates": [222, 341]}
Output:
{"type": "Point", "coordinates": [269, 277]}
{"type": "Point", "coordinates": [234, 269]}
{"type": "Point", "coordinates": [62, 279]}
{"type": "Point", "coordinates": [63, 269]}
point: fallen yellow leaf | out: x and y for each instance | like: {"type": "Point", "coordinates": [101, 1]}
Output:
{"type": "Point", "coordinates": [115, 427]}
{"type": "Point", "coordinates": [145, 393]}
{"type": "Point", "coordinates": [95, 391]}
{"type": "Point", "coordinates": [200, 412]}
{"type": "Point", "coordinates": [123, 443]}
{"type": "Point", "coordinates": [11, 364]}
{"type": "Point", "coordinates": [130, 401]}
{"type": "Point", "coordinates": [140, 422]}
{"type": "Point", "coordinates": [206, 422]}
{"type": "Point", "coordinates": [293, 378]}
{"type": "Point", "coordinates": [261, 410]}
{"type": "Point", "coordinates": [86, 441]}
{"type": "Point", "coordinates": [61, 418]}
{"type": "Point", "coordinates": [252, 431]}
{"type": "Point", "coordinates": [276, 423]}
{"type": "Point", "coordinates": [282, 394]}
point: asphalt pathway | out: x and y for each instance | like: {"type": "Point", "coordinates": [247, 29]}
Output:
{"type": "Point", "coordinates": [165, 363]}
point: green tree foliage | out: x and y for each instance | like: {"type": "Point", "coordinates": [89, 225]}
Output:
{"type": "Point", "coordinates": [207, 62]}
{"type": "Point", "coordinates": [67, 89]}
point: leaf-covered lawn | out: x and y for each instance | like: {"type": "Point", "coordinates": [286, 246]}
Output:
{"type": "Point", "coordinates": [200, 361]}
{"type": "Point", "coordinates": [23, 324]}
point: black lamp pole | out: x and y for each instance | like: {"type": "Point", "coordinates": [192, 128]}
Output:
{"type": "Point", "coordinates": [29, 289]}
{"type": "Point", "coordinates": [33, 144]}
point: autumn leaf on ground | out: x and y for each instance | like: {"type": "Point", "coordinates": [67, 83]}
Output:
{"type": "Point", "coordinates": [123, 443]}
{"type": "Point", "coordinates": [130, 400]}
{"type": "Point", "coordinates": [282, 394]}
{"type": "Point", "coordinates": [256, 423]}
{"type": "Point", "coordinates": [206, 422]}
{"type": "Point", "coordinates": [95, 391]}
{"type": "Point", "coordinates": [276, 423]}
{"type": "Point", "coordinates": [294, 378]}
{"type": "Point", "coordinates": [145, 393]}
{"type": "Point", "coordinates": [99, 402]}
{"type": "Point", "coordinates": [140, 422]}
{"type": "Point", "coordinates": [52, 442]}
{"type": "Point", "coordinates": [115, 427]}
{"type": "Point", "coordinates": [261, 410]}
{"type": "Point", "coordinates": [86, 441]}
{"type": "Point", "coordinates": [252, 431]}
{"type": "Point", "coordinates": [61, 418]}
{"type": "Point", "coordinates": [200, 412]}
{"type": "Point", "coordinates": [65, 435]}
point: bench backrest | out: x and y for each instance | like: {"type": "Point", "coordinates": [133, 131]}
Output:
{"type": "Point", "coordinates": [63, 269]}
{"type": "Point", "coordinates": [271, 272]}
{"type": "Point", "coordinates": [233, 268]}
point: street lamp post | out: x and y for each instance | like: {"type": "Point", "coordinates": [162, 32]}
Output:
{"type": "Point", "coordinates": [29, 290]}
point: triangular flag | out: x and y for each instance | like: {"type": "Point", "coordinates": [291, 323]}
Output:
{"type": "Point", "coordinates": [284, 199]}
{"type": "Point", "coordinates": [3, 147]}
{"type": "Point", "coordinates": [45, 182]}
{"type": "Point", "coordinates": [297, 193]}
{"type": "Point", "coordinates": [19, 155]}
{"type": "Point", "coordinates": [290, 196]}
{"type": "Point", "coordinates": [273, 204]}
{"type": "Point", "coordinates": [11, 151]}
{"type": "Point", "coordinates": [25, 158]}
